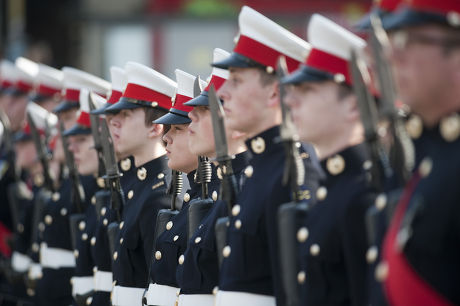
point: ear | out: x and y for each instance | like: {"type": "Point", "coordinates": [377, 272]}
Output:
{"type": "Point", "coordinates": [155, 130]}
{"type": "Point", "coordinates": [273, 94]}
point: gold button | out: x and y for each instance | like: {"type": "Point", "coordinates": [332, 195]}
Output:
{"type": "Point", "coordinates": [94, 269]}
{"type": "Point", "coordinates": [238, 224]}
{"type": "Point", "coordinates": [100, 182]}
{"type": "Point", "coordinates": [197, 240]}
{"type": "Point", "coordinates": [125, 164]}
{"type": "Point", "coordinates": [425, 167]}
{"type": "Point", "coordinates": [103, 211]}
{"type": "Point", "coordinates": [302, 235]}
{"type": "Point", "coordinates": [301, 277]}
{"type": "Point", "coordinates": [414, 126]}
{"type": "Point", "coordinates": [381, 271]}
{"type": "Point", "coordinates": [20, 227]}
{"type": "Point", "coordinates": [339, 78]}
{"type": "Point", "coordinates": [89, 300]}
{"type": "Point", "coordinates": [314, 249]}
{"type": "Point", "coordinates": [186, 197]}
{"type": "Point", "coordinates": [258, 145]}
{"type": "Point", "coordinates": [122, 223]}
{"type": "Point", "coordinates": [381, 201]}
{"type": "Point", "coordinates": [63, 211]}
{"type": "Point", "coordinates": [93, 241]}
{"type": "Point", "coordinates": [82, 225]}
{"type": "Point", "coordinates": [160, 176]}
{"type": "Point", "coordinates": [35, 247]}
{"type": "Point", "coordinates": [130, 194]}
{"type": "Point", "coordinates": [84, 237]}
{"type": "Point", "coordinates": [176, 237]}
{"type": "Point", "coordinates": [169, 225]}
{"type": "Point", "coordinates": [121, 240]}
{"type": "Point", "coordinates": [214, 290]}
{"type": "Point", "coordinates": [181, 259]}
{"type": "Point", "coordinates": [48, 219]}
{"type": "Point", "coordinates": [371, 254]}
{"type": "Point", "coordinates": [93, 200]}
{"type": "Point", "coordinates": [214, 195]}
{"type": "Point", "coordinates": [157, 255]}
{"type": "Point", "coordinates": [335, 164]}
{"type": "Point", "coordinates": [236, 210]}
{"type": "Point", "coordinates": [248, 171]}
{"type": "Point", "coordinates": [75, 253]}
{"type": "Point", "coordinates": [115, 255]}
{"type": "Point", "coordinates": [105, 222]}
{"type": "Point", "coordinates": [41, 226]}
{"type": "Point", "coordinates": [321, 193]}
{"type": "Point", "coordinates": [269, 69]}
{"type": "Point", "coordinates": [226, 251]}
{"type": "Point", "coordinates": [56, 196]}
{"type": "Point", "coordinates": [141, 173]}
{"type": "Point", "coordinates": [449, 127]}
{"type": "Point", "coordinates": [219, 173]}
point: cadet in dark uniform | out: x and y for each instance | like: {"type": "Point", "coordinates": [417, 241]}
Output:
{"type": "Point", "coordinates": [145, 99]}
{"type": "Point", "coordinates": [198, 274]}
{"type": "Point", "coordinates": [250, 273]}
{"type": "Point", "coordinates": [420, 263]}
{"type": "Point", "coordinates": [100, 246]}
{"type": "Point", "coordinates": [81, 144]}
{"type": "Point", "coordinates": [333, 241]}
{"type": "Point", "coordinates": [171, 244]}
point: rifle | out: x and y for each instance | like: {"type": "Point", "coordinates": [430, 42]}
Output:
{"type": "Point", "coordinates": [292, 214]}
{"type": "Point", "coordinates": [229, 186]}
{"type": "Point", "coordinates": [198, 208]}
{"type": "Point", "coordinates": [77, 194]}
{"type": "Point", "coordinates": [112, 177]}
{"type": "Point", "coordinates": [102, 196]}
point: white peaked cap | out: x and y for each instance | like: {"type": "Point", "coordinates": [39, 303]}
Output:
{"type": "Point", "coordinates": [220, 55]}
{"type": "Point", "coordinates": [118, 78]}
{"type": "Point", "coordinates": [49, 76]}
{"type": "Point", "coordinates": [327, 36]}
{"type": "Point", "coordinates": [8, 71]}
{"type": "Point", "coordinates": [42, 118]}
{"type": "Point", "coordinates": [27, 69]}
{"type": "Point", "coordinates": [260, 28]}
{"type": "Point", "coordinates": [98, 101]}
{"type": "Point", "coordinates": [84, 101]}
{"type": "Point", "coordinates": [147, 77]}
{"type": "Point", "coordinates": [77, 79]}
{"type": "Point", "coordinates": [185, 83]}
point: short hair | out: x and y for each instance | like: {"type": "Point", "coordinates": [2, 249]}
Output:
{"type": "Point", "coordinates": [343, 91]}
{"type": "Point", "coordinates": [152, 114]}
{"type": "Point", "coordinates": [266, 78]}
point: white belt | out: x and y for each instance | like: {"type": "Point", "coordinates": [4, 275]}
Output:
{"type": "Point", "coordinates": [56, 258]}
{"type": "Point", "coordinates": [35, 271]}
{"type": "Point", "coordinates": [127, 296]}
{"type": "Point", "coordinates": [103, 281]}
{"type": "Point", "coordinates": [161, 295]}
{"type": "Point", "coordinates": [196, 299]}
{"type": "Point", "coordinates": [20, 262]}
{"type": "Point", "coordinates": [232, 298]}
{"type": "Point", "coordinates": [81, 285]}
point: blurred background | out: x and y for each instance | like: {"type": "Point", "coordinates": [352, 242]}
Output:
{"type": "Point", "coordinates": [94, 35]}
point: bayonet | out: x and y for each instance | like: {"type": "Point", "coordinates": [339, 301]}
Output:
{"type": "Point", "coordinates": [197, 87]}
{"type": "Point", "coordinates": [402, 154]}
{"type": "Point", "coordinates": [96, 132]}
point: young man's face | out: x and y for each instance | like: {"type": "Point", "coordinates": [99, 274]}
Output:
{"type": "Point", "coordinates": [244, 98]}
{"type": "Point", "coordinates": [26, 154]}
{"type": "Point", "coordinates": [423, 70]}
{"type": "Point", "coordinates": [177, 149]}
{"type": "Point", "coordinates": [85, 155]}
{"type": "Point", "coordinates": [317, 110]}
{"type": "Point", "coordinates": [129, 131]}
{"type": "Point", "coordinates": [200, 132]}
{"type": "Point", "coordinates": [68, 117]}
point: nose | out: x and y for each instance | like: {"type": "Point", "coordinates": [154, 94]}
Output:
{"type": "Point", "coordinates": [166, 138]}
{"type": "Point", "coordinates": [192, 115]}
{"type": "Point", "coordinates": [72, 146]}
{"type": "Point", "coordinates": [223, 93]}
{"type": "Point", "coordinates": [289, 98]}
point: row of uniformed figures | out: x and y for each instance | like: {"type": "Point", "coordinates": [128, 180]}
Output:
{"type": "Point", "coordinates": [344, 253]}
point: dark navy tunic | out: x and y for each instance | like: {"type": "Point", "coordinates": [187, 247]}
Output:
{"type": "Point", "coordinates": [135, 239]}
{"type": "Point", "coordinates": [251, 258]}
{"type": "Point", "coordinates": [199, 273]}
{"type": "Point", "coordinates": [333, 255]}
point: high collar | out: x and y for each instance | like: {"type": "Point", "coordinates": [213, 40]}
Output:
{"type": "Point", "coordinates": [447, 129]}
{"type": "Point", "coordinates": [354, 159]}
{"type": "Point", "coordinates": [152, 168]}
{"type": "Point", "coordinates": [241, 161]}
{"type": "Point", "coordinates": [265, 143]}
